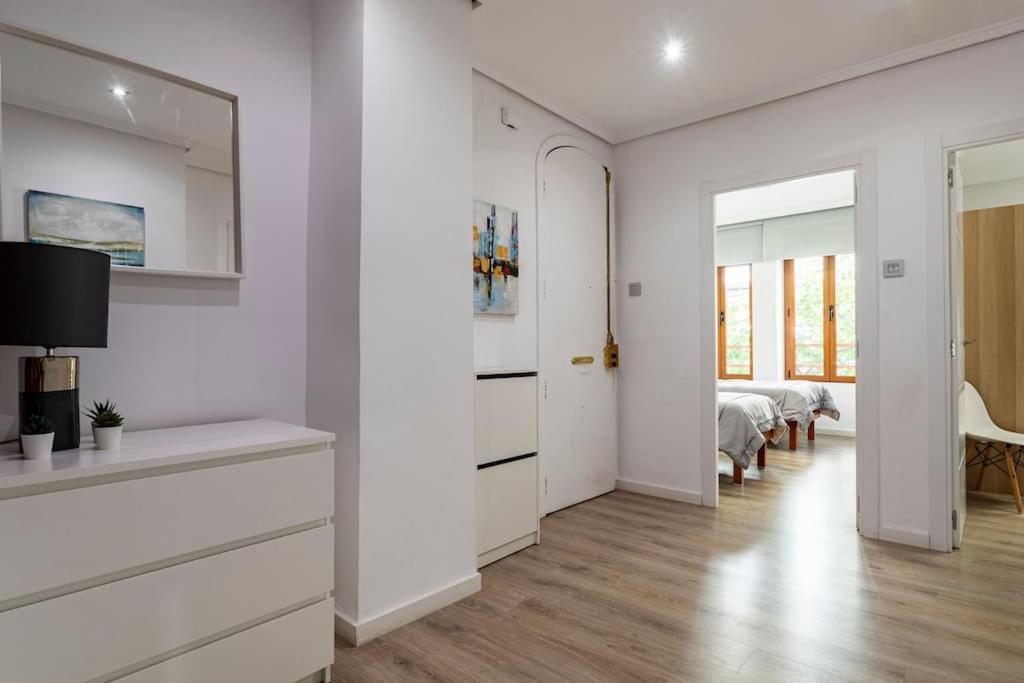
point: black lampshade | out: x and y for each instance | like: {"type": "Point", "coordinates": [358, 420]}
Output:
{"type": "Point", "coordinates": [53, 296]}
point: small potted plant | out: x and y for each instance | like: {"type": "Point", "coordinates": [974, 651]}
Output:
{"type": "Point", "coordinates": [107, 424]}
{"type": "Point", "coordinates": [37, 437]}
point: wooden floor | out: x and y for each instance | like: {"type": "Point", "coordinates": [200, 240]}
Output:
{"type": "Point", "coordinates": [775, 584]}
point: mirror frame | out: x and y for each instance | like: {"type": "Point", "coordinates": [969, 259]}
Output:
{"type": "Point", "coordinates": [239, 272]}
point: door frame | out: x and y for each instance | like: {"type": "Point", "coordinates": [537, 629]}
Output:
{"type": "Point", "coordinates": [602, 156]}
{"type": "Point", "coordinates": [942, 408]}
{"type": "Point", "coordinates": [866, 244]}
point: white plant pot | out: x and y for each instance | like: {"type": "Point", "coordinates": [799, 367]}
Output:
{"type": "Point", "coordinates": [37, 446]}
{"type": "Point", "coordinates": [107, 438]}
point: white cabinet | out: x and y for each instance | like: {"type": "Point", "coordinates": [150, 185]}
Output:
{"type": "Point", "coordinates": [507, 471]}
{"type": "Point", "coordinates": [506, 417]}
{"type": "Point", "coordinates": [177, 558]}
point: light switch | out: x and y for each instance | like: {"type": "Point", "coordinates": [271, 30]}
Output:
{"type": "Point", "coordinates": [634, 289]}
{"type": "Point", "coordinates": [893, 268]}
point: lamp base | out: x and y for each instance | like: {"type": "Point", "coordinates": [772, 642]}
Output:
{"type": "Point", "coordinates": [49, 386]}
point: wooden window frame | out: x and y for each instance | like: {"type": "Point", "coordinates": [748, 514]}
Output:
{"type": "Point", "coordinates": [722, 374]}
{"type": "Point", "coordinates": [828, 319]}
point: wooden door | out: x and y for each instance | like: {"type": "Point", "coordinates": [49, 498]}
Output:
{"type": "Point", "coordinates": [994, 321]}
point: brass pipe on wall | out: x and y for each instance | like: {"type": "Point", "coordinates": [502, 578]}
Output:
{"type": "Point", "coordinates": [611, 349]}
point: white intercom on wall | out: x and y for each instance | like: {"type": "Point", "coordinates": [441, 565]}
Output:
{"type": "Point", "coordinates": [509, 119]}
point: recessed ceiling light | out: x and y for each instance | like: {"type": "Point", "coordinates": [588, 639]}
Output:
{"type": "Point", "coordinates": [673, 51]}
{"type": "Point", "coordinates": [120, 92]}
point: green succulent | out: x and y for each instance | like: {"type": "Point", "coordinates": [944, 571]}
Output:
{"type": "Point", "coordinates": [38, 424]}
{"type": "Point", "coordinates": [104, 414]}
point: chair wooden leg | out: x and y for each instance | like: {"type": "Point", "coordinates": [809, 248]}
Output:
{"type": "Point", "coordinates": [792, 434]}
{"type": "Point", "coordinates": [737, 474]}
{"type": "Point", "coordinates": [810, 431]}
{"type": "Point", "coordinates": [761, 456]}
{"type": "Point", "coordinates": [1014, 484]}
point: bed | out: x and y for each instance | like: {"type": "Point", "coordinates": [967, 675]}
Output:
{"type": "Point", "coordinates": [800, 402]}
{"type": "Point", "coordinates": [746, 422]}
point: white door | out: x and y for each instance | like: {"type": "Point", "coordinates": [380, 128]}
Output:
{"type": "Point", "coordinates": [577, 408]}
{"type": "Point", "coordinates": [956, 270]}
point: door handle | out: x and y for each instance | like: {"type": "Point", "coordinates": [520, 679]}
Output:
{"type": "Point", "coordinates": [831, 312]}
{"type": "Point", "coordinates": [970, 341]}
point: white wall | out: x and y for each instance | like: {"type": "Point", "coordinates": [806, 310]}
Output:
{"type": "Point", "coordinates": [769, 358]}
{"type": "Point", "coordinates": [332, 369]}
{"type": "Point", "coordinates": [60, 155]}
{"type": "Point", "coordinates": [417, 471]}
{"type": "Point", "coordinates": [892, 112]}
{"type": "Point", "coordinates": [505, 172]}
{"type": "Point", "coordinates": [184, 351]}
{"type": "Point", "coordinates": [390, 296]}
{"type": "Point", "coordinates": [991, 195]}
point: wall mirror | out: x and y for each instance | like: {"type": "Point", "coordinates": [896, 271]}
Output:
{"type": "Point", "coordinates": [104, 154]}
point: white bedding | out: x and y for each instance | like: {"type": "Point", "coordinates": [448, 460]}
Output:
{"type": "Point", "coordinates": [743, 422]}
{"type": "Point", "coordinates": [796, 399]}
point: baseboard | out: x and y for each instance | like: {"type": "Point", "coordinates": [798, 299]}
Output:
{"type": "Point", "coordinates": [345, 626]}
{"type": "Point", "coordinates": [365, 631]}
{"type": "Point", "coordinates": [918, 539]}
{"type": "Point", "coordinates": [667, 492]}
{"type": "Point", "coordinates": [832, 431]}
{"type": "Point", "coordinates": [507, 549]}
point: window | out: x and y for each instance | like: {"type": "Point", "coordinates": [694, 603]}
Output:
{"type": "Point", "coordinates": [735, 323]}
{"type": "Point", "coordinates": [821, 329]}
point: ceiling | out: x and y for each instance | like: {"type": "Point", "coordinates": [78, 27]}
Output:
{"type": "Point", "coordinates": [599, 63]}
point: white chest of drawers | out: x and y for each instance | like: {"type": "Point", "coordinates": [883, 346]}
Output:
{"type": "Point", "coordinates": [192, 554]}
{"type": "Point", "coordinates": [507, 486]}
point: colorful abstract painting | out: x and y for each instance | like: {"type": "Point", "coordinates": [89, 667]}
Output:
{"type": "Point", "coordinates": [495, 259]}
{"type": "Point", "coordinates": [114, 229]}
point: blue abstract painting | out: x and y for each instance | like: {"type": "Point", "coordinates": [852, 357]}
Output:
{"type": "Point", "coordinates": [118, 230]}
{"type": "Point", "coordinates": [495, 259]}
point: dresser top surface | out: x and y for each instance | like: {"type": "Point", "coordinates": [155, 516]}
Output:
{"type": "Point", "coordinates": [157, 448]}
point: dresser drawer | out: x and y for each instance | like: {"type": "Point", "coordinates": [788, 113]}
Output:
{"type": "Point", "coordinates": [60, 538]}
{"type": "Point", "coordinates": [505, 422]}
{"type": "Point", "coordinates": [506, 503]}
{"type": "Point", "coordinates": [100, 630]}
{"type": "Point", "coordinates": [256, 655]}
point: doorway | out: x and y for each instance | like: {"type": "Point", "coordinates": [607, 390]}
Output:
{"type": "Point", "coordinates": [577, 418]}
{"type": "Point", "coordinates": [986, 246]}
{"type": "Point", "coordinates": [866, 269]}
{"type": "Point", "coordinates": [785, 258]}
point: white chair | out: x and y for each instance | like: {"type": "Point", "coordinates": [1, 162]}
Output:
{"type": "Point", "coordinates": [993, 444]}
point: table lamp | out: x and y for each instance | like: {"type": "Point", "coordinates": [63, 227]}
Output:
{"type": "Point", "coordinates": [52, 296]}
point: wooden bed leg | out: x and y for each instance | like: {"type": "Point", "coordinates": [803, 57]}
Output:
{"type": "Point", "coordinates": [810, 431]}
{"type": "Point", "coordinates": [737, 474]}
{"type": "Point", "coordinates": [761, 456]}
{"type": "Point", "coordinates": [792, 434]}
